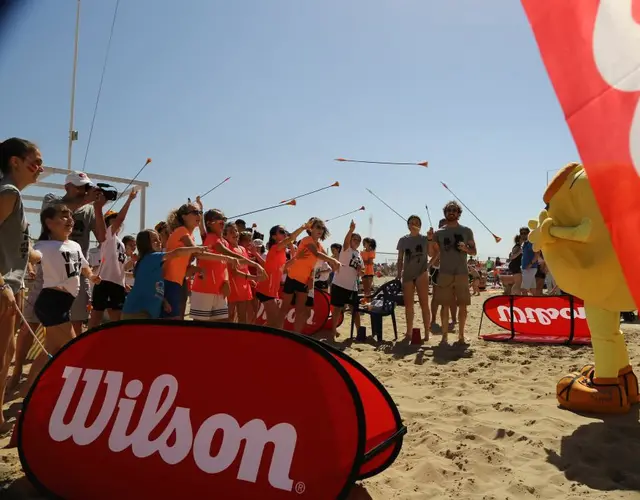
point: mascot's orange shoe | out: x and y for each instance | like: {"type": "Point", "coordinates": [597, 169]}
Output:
{"type": "Point", "coordinates": [579, 393]}
{"type": "Point", "coordinates": [626, 378]}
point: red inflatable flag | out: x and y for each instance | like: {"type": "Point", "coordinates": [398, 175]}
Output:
{"type": "Point", "coordinates": [317, 320]}
{"type": "Point", "coordinates": [252, 412]}
{"type": "Point", "coordinates": [542, 320]}
{"type": "Point", "coordinates": [591, 49]}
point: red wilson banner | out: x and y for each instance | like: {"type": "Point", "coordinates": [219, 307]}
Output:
{"type": "Point", "coordinates": [591, 49]}
{"type": "Point", "coordinates": [548, 319]}
{"type": "Point", "coordinates": [302, 421]}
{"type": "Point", "coordinates": [319, 318]}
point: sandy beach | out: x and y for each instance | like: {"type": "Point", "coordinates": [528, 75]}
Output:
{"type": "Point", "coordinates": [483, 423]}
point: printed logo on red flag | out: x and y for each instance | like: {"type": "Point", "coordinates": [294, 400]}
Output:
{"type": "Point", "coordinates": [545, 319]}
{"type": "Point", "coordinates": [591, 49]}
{"type": "Point", "coordinates": [252, 413]}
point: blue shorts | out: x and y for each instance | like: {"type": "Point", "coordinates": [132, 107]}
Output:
{"type": "Point", "coordinates": [173, 294]}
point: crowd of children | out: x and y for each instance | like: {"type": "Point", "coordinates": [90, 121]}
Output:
{"type": "Point", "coordinates": [163, 272]}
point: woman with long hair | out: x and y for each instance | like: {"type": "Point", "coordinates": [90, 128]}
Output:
{"type": "Point", "coordinates": [515, 264]}
{"type": "Point", "coordinates": [414, 251]}
{"type": "Point", "coordinates": [181, 223]}
{"type": "Point", "coordinates": [20, 166]}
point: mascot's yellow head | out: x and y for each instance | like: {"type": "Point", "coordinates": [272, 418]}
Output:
{"type": "Point", "coordinates": [575, 242]}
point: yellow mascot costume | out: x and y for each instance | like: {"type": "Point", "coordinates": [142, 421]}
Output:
{"type": "Point", "coordinates": [574, 239]}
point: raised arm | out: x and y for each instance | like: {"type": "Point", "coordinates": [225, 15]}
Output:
{"type": "Point", "coordinates": [293, 236]}
{"type": "Point", "coordinates": [347, 238]}
{"type": "Point", "coordinates": [184, 252]}
{"type": "Point", "coordinates": [202, 227]}
{"type": "Point", "coordinates": [122, 214]}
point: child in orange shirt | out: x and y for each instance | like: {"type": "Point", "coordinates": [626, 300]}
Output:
{"type": "Point", "coordinates": [268, 290]}
{"type": "Point", "coordinates": [368, 256]}
{"type": "Point", "coordinates": [183, 222]}
{"type": "Point", "coordinates": [302, 269]}
{"type": "Point", "coordinates": [241, 291]}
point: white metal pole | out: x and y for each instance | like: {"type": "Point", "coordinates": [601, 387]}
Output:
{"type": "Point", "coordinates": [143, 208]}
{"type": "Point", "coordinates": [72, 133]}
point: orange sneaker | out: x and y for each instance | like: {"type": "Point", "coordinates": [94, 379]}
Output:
{"type": "Point", "coordinates": [626, 378]}
{"type": "Point", "coordinates": [583, 394]}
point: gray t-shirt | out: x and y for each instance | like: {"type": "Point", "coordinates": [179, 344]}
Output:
{"type": "Point", "coordinates": [14, 240]}
{"type": "Point", "coordinates": [452, 260]}
{"type": "Point", "coordinates": [84, 219]}
{"type": "Point", "coordinates": [415, 257]}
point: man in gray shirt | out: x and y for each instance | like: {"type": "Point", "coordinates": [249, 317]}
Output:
{"type": "Point", "coordinates": [86, 202]}
{"type": "Point", "coordinates": [453, 244]}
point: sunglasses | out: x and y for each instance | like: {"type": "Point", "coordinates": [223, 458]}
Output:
{"type": "Point", "coordinates": [282, 231]}
{"type": "Point", "coordinates": [451, 211]}
{"type": "Point", "coordinates": [194, 212]}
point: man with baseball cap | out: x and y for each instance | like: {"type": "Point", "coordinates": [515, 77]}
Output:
{"type": "Point", "coordinates": [86, 202]}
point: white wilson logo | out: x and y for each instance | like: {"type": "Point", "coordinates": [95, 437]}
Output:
{"type": "Point", "coordinates": [616, 52]}
{"type": "Point", "coordinates": [290, 317]}
{"type": "Point", "coordinates": [538, 315]}
{"type": "Point", "coordinates": [254, 433]}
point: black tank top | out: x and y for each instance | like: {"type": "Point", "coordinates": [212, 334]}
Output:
{"type": "Point", "coordinates": [515, 264]}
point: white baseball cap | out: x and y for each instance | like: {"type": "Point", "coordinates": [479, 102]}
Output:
{"type": "Point", "coordinates": [78, 179]}
{"type": "Point", "coordinates": [258, 243]}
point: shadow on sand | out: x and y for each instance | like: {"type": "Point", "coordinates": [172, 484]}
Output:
{"type": "Point", "coordinates": [602, 455]}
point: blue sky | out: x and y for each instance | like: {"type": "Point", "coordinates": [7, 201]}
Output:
{"type": "Point", "coordinates": [269, 92]}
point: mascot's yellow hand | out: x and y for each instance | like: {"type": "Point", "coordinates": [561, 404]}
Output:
{"type": "Point", "coordinates": [541, 231]}
{"type": "Point", "coordinates": [581, 233]}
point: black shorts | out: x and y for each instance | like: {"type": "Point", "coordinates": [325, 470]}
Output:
{"type": "Point", "coordinates": [309, 303]}
{"type": "Point", "coordinates": [341, 297]}
{"type": "Point", "coordinates": [294, 286]}
{"type": "Point", "coordinates": [53, 307]}
{"type": "Point", "coordinates": [108, 295]}
{"type": "Point", "coordinates": [263, 298]}
{"type": "Point", "coordinates": [321, 285]}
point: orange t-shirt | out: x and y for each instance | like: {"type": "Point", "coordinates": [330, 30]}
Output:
{"type": "Point", "coordinates": [215, 273]}
{"type": "Point", "coordinates": [303, 267]}
{"type": "Point", "coordinates": [176, 269]}
{"type": "Point", "coordinates": [239, 285]}
{"type": "Point", "coordinates": [276, 259]}
{"type": "Point", "coordinates": [368, 268]}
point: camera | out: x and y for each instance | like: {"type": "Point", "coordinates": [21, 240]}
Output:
{"type": "Point", "coordinates": [110, 193]}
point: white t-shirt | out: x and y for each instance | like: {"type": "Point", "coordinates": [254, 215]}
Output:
{"type": "Point", "coordinates": [128, 276]}
{"type": "Point", "coordinates": [112, 257]}
{"type": "Point", "coordinates": [347, 275]}
{"type": "Point", "coordinates": [94, 257]}
{"type": "Point", "coordinates": [323, 271]}
{"type": "Point", "coordinates": [312, 289]}
{"type": "Point", "coordinates": [62, 262]}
